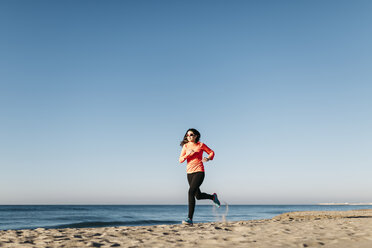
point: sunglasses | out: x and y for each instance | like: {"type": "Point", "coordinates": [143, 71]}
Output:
{"type": "Point", "coordinates": [190, 135]}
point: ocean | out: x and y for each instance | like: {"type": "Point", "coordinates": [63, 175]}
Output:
{"type": "Point", "coordinates": [79, 216]}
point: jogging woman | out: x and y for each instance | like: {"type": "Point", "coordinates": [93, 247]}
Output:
{"type": "Point", "coordinates": [192, 150]}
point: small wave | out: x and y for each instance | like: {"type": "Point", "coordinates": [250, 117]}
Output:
{"type": "Point", "coordinates": [128, 217]}
{"type": "Point", "coordinates": [74, 218]}
{"type": "Point", "coordinates": [274, 212]}
{"type": "Point", "coordinates": [114, 223]}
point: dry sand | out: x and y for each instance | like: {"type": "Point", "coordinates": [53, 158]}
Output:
{"type": "Point", "coordinates": [297, 229]}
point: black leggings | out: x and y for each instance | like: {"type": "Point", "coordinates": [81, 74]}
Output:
{"type": "Point", "coordinates": [195, 180]}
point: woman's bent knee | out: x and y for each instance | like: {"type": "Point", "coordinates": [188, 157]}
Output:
{"type": "Point", "coordinates": [198, 196]}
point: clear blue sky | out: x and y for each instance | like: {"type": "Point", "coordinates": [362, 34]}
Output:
{"type": "Point", "coordinates": [95, 97]}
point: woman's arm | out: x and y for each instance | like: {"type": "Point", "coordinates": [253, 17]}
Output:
{"type": "Point", "coordinates": [209, 151]}
{"type": "Point", "coordinates": [185, 154]}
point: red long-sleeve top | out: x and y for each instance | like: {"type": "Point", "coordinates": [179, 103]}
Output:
{"type": "Point", "coordinates": [194, 160]}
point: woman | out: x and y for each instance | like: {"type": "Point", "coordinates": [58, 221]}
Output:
{"type": "Point", "coordinates": [192, 150]}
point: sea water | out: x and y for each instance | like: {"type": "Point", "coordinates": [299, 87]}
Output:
{"type": "Point", "coordinates": [79, 216]}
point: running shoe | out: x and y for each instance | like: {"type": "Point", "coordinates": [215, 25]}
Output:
{"type": "Point", "coordinates": [188, 221]}
{"type": "Point", "coordinates": [216, 201]}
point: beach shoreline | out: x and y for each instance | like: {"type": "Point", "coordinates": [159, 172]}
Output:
{"type": "Point", "coordinates": [294, 229]}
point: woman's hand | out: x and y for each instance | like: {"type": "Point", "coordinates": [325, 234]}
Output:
{"type": "Point", "coordinates": [189, 151]}
{"type": "Point", "coordinates": [205, 159]}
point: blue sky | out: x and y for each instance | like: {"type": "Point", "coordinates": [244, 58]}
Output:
{"type": "Point", "coordinates": [95, 97]}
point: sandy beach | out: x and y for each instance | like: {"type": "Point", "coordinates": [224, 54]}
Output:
{"type": "Point", "coordinates": [296, 229]}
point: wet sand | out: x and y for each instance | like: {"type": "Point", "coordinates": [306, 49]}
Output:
{"type": "Point", "coordinates": [344, 229]}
